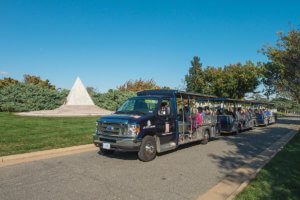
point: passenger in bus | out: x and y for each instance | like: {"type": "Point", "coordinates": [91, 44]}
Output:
{"type": "Point", "coordinates": [180, 115]}
{"type": "Point", "coordinates": [199, 117]}
{"type": "Point", "coordinates": [200, 109]}
{"type": "Point", "coordinates": [244, 117]}
{"type": "Point", "coordinates": [247, 116]}
{"type": "Point", "coordinates": [240, 116]}
{"type": "Point", "coordinates": [187, 114]}
{"type": "Point", "coordinates": [194, 118]}
{"type": "Point", "coordinates": [230, 112]}
{"type": "Point", "coordinates": [266, 112]}
{"type": "Point", "coordinates": [250, 112]}
{"type": "Point", "coordinates": [207, 111]}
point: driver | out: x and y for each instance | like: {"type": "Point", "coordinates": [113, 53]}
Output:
{"type": "Point", "coordinates": [163, 110]}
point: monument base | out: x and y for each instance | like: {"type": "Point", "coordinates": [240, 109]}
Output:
{"type": "Point", "coordinates": [69, 111]}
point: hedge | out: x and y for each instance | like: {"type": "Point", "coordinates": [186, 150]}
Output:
{"type": "Point", "coordinates": [21, 97]}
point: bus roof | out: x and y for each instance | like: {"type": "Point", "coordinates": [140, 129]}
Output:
{"type": "Point", "coordinates": [177, 93]}
{"type": "Point", "coordinates": [232, 100]}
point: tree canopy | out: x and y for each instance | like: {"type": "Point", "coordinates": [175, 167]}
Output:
{"type": "Point", "coordinates": [6, 81]}
{"type": "Point", "coordinates": [137, 85]}
{"type": "Point", "coordinates": [36, 80]}
{"type": "Point", "coordinates": [282, 71]}
{"type": "Point", "coordinates": [232, 81]}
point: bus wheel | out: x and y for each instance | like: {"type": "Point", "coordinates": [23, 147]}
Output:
{"type": "Point", "coordinates": [251, 125]}
{"type": "Point", "coordinates": [147, 150]}
{"type": "Point", "coordinates": [106, 151]}
{"type": "Point", "coordinates": [239, 129]}
{"type": "Point", "coordinates": [205, 137]}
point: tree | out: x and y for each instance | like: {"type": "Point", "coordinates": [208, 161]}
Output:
{"type": "Point", "coordinates": [6, 81]}
{"type": "Point", "coordinates": [195, 78]}
{"type": "Point", "coordinates": [36, 80]}
{"type": "Point", "coordinates": [286, 105]}
{"type": "Point", "coordinates": [282, 71]}
{"type": "Point", "coordinates": [91, 90]}
{"type": "Point", "coordinates": [232, 81]}
{"type": "Point", "coordinates": [137, 85]}
{"type": "Point", "coordinates": [240, 79]}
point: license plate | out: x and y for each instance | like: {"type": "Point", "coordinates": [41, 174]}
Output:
{"type": "Point", "coordinates": [106, 146]}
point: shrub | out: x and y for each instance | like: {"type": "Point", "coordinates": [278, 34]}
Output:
{"type": "Point", "coordinates": [28, 97]}
{"type": "Point", "coordinates": [21, 97]}
{"type": "Point", "coordinates": [112, 99]}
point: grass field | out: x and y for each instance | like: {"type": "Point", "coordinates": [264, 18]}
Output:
{"type": "Point", "coordinates": [20, 134]}
{"type": "Point", "coordinates": [280, 178]}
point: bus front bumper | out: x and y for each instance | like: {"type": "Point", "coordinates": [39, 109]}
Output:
{"type": "Point", "coordinates": [117, 143]}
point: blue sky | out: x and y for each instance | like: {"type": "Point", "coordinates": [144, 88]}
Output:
{"type": "Point", "coordinates": [109, 42]}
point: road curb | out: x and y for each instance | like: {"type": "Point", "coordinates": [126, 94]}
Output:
{"type": "Point", "coordinates": [234, 183]}
{"type": "Point", "coordinates": [41, 155]}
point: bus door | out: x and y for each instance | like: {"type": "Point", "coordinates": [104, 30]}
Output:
{"type": "Point", "coordinates": [166, 122]}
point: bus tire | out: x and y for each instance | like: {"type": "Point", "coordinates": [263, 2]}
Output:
{"type": "Point", "coordinates": [251, 125]}
{"type": "Point", "coordinates": [205, 137]}
{"type": "Point", "coordinates": [147, 150]}
{"type": "Point", "coordinates": [235, 132]}
{"type": "Point", "coordinates": [239, 129]}
{"type": "Point", "coordinates": [106, 151]}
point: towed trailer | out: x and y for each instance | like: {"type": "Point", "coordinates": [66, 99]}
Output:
{"type": "Point", "coordinates": [230, 120]}
{"type": "Point", "coordinates": [249, 117]}
{"type": "Point", "coordinates": [264, 114]}
{"type": "Point", "coordinates": [154, 121]}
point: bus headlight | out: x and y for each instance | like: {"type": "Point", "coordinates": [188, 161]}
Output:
{"type": "Point", "coordinates": [133, 130]}
{"type": "Point", "coordinates": [98, 128]}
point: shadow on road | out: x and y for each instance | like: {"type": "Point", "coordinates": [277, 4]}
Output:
{"type": "Point", "coordinates": [121, 155]}
{"type": "Point", "coordinates": [251, 143]}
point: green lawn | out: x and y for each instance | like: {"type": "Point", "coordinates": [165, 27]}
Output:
{"type": "Point", "coordinates": [280, 178]}
{"type": "Point", "coordinates": [20, 134]}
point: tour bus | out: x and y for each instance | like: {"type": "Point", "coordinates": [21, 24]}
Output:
{"type": "Point", "coordinates": [233, 115]}
{"type": "Point", "coordinates": [155, 121]}
{"type": "Point", "coordinates": [265, 113]}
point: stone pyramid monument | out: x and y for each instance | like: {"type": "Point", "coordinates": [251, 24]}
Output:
{"type": "Point", "coordinates": [78, 95]}
{"type": "Point", "coordinates": [78, 103]}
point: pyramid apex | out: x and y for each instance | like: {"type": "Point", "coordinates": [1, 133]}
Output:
{"type": "Point", "coordinates": [79, 95]}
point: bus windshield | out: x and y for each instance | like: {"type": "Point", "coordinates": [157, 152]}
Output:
{"type": "Point", "coordinates": [139, 106]}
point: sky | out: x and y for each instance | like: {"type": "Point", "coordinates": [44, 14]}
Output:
{"type": "Point", "coordinates": [106, 43]}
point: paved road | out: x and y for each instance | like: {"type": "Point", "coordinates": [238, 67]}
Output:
{"type": "Point", "coordinates": [182, 174]}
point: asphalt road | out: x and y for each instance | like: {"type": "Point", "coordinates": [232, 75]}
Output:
{"type": "Point", "coordinates": [182, 174]}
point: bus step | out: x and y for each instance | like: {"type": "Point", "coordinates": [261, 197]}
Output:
{"type": "Point", "coordinates": [167, 147]}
